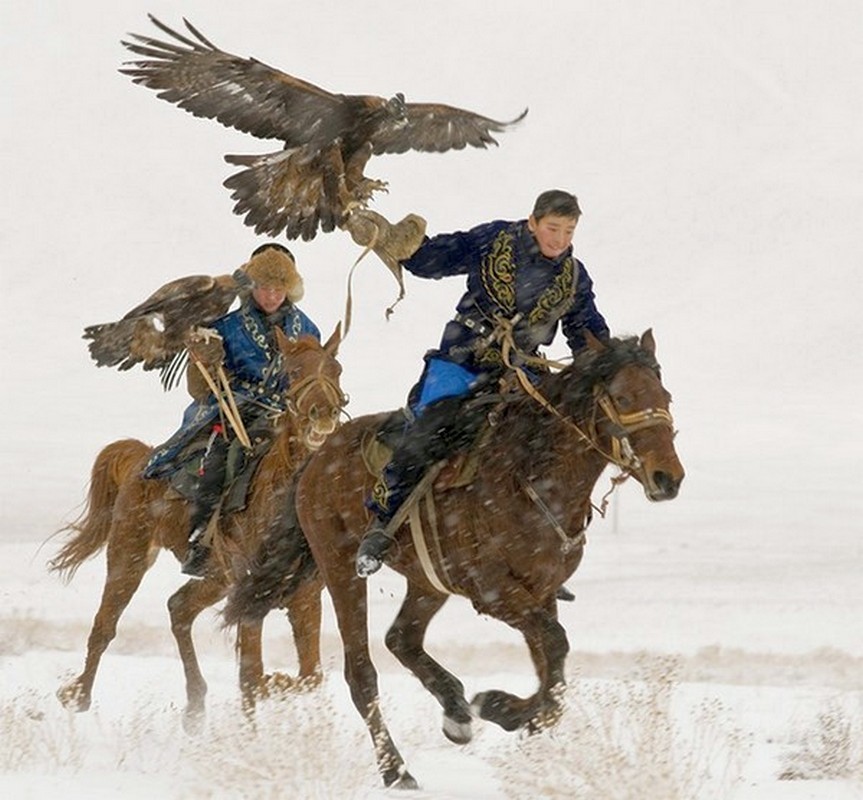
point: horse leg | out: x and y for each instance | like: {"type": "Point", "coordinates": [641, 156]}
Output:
{"type": "Point", "coordinates": [548, 645]}
{"type": "Point", "coordinates": [304, 613]}
{"type": "Point", "coordinates": [252, 681]}
{"type": "Point", "coordinates": [348, 594]}
{"type": "Point", "coordinates": [127, 561]}
{"type": "Point", "coordinates": [184, 606]}
{"type": "Point", "coordinates": [549, 656]}
{"type": "Point", "coordinates": [405, 641]}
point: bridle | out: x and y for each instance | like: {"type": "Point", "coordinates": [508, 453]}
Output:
{"type": "Point", "coordinates": [621, 426]}
{"type": "Point", "coordinates": [297, 392]}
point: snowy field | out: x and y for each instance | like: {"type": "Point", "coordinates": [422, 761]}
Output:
{"type": "Point", "coordinates": [752, 672]}
{"type": "Point", "coordinates": [717, 640]}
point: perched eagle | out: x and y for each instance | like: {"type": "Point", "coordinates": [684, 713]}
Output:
{"type": "Point", "coordinates": [154, 333]}
{"type": "Point", "coordinates": [317, 178]}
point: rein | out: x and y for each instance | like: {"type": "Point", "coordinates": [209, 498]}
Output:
{"type": "Point", "coordinates": [567, 542]}
{"type": "Point", "coordinates": [622, 453]}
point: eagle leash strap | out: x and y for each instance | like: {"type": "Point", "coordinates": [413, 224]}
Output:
{"type": "Point", "coordinates": [227, 404]}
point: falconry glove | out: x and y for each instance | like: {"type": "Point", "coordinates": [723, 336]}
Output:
{"type": "Point", "coordinates": [206, 348]}
{"type": "Point", "coordinates": [391, 243]}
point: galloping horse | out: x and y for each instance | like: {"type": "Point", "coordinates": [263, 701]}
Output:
{"type": "Point", "coordinates": [135, 517]}
{"type": "Point", "coordinates": [506, 540]}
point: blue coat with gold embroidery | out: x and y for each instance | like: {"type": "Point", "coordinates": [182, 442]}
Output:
{"type": "Point", "coordinates": [508, 275]}
{"type": "Point", "coordinates": [254, 365]}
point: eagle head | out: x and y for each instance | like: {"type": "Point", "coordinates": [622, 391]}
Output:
{"type": "Point", "coordinates": [397, 109]}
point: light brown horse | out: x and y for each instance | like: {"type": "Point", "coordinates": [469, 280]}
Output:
{"type": "Point", "coordinates": [135, 517]}
{"type": "Point", "coordinates": [506, 540]}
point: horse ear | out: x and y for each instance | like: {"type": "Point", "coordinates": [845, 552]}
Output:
{"type": "Point", "coordinates": [332, 345]}
{"type": "Point", "coordinates": [592, 342]}
{"type": "Point", "coordinates": [285, 344]}
{"type": "Point", "coordinates": [648, 343]}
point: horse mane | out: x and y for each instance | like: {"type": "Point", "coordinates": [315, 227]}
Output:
{"type": "Point", "coordinates": [531, 429]}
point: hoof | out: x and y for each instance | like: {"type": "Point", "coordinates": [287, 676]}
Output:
{"type": "Point", "coordinates": [498, 707]}
{"type": "Point", "coordinates": [477, 703]}
{"type": "Point", "coordinates": [403, 780]}
{"type": "Point", "coordinates": [73, 698]}
{"type": "Point", "coordinates": [457, 732]}
{"type": "Point", "coordinates": [193, 721]}
{"type": "Point", "coordinates": [279, 684]}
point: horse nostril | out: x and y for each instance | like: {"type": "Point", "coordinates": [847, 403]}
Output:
{"type": "Point", "coordinates": [666, 483]}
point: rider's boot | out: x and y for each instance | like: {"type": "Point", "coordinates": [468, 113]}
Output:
{"type": "Point", "coordinates": [198, 554]}
{"type": "Point", "coordinates": [373, 549]}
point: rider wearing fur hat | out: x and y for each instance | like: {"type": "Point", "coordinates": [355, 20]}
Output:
{"type": "Point", "coordinates": [243, 342]}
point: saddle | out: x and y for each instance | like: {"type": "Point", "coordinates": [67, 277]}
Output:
{"type": "Point", "coordinates": [242, 465]}
{"type": "Point", "coordinates": [458, 470]}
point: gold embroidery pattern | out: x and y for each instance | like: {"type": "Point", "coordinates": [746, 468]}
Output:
{"type": "Point", "coordinates": [498, 279]}
{"type": "Point", "coordinates": [498, 272]}
{"type": "Point", "coordinates": [381, 494]}
{"type": "Point", "coordinates": [492, 357]}
{"type": "Point", "coordinates": [558, 294]}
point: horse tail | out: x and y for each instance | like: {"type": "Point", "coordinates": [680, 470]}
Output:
{"type": "Point", "coordinates": [115, 464]}
{"type": "Point", "coordinates": [282, 563]}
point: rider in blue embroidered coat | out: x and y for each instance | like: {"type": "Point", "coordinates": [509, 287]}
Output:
{"type": "Point", "coordinates": [246, 346]}
{"type": "Point", "coordinates": [521, 272]}
{"type": "Point", "coordinates": [507, 277]}
{"type": "Point", "coordinates": [253, 363]}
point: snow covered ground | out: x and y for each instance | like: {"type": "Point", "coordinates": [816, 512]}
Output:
{"type": "Point", "coordinates": [715, 149]}
{"type": "Point", "coordinates": [769, 651]}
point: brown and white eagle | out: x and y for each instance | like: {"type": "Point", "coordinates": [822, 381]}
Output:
{"type": "Point", "coordinates": [317, 179]}
{"type": "Point", "coordinates": [156, 333]}
{"type": "Point", "coordinates": [153, 334]}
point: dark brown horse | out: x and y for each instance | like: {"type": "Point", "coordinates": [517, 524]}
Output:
{"type": "Point", "coordinates": [506, 540]}
{"type": "Point", "coordinates": [134, 517]}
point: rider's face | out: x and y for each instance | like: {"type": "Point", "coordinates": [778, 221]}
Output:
{"type": "Point", "coordinates": [553, 233]}
{"type": "Point", "coordinates": [269, 298]}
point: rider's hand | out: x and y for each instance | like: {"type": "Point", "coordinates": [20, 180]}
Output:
{"type": "Point", "coordinates": [205, 347]}
{"type": "Point", "coordinates": [391, 242]}
{"type": "Point", "coordinates": [367, 228]}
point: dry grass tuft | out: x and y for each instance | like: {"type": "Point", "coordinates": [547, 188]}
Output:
{"type": "Point", "coordinates": [832, 749]}
{"type": "Point", "coordinates": [627, 741]}
{"type": "Point", "coordinates": [32, 740]}
{"type": "Point", "coordinates": [300, 747]}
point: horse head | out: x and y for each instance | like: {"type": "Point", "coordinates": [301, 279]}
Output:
{"type": "Point", "coordinates": [630, 423]}
{"type": "Point", "coordinates": [314, 397]}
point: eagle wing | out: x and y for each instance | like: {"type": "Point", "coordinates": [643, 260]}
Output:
{"type": "Point", "coordinates": [436, 128]}
{"type": "Point", "coordinates": [241, 93]}
{"type": "Point", "coordinates": [318, 179]}
{"type": "Point", "coordinates": [154, 333]}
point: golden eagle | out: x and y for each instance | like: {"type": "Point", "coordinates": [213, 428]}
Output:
{"type": "Point", "coordinates": [154, 333]}
{"type": "Point", "coordinates": [317, 178]}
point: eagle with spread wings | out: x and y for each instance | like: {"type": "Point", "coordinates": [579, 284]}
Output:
{"type": "Point", "coordinates": [154, 333]}
{"type": "Point", "coordinates": [317, 179]}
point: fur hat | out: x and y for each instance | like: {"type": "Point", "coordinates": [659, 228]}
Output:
{"type": "Point", "coordinates": [273, 266]}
